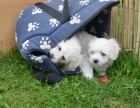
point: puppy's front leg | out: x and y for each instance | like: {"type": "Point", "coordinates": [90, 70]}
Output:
{"type": "Point", "coordinates": [87, 70]}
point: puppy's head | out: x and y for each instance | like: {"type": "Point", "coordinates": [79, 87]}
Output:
{"type": "Point", "coordinates": [66, 51]}
{"type": "Point", "coordinates": [102, 51]}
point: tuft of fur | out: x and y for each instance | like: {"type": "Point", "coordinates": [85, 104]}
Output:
{"type": "Point", "coordinates": [84, 38]}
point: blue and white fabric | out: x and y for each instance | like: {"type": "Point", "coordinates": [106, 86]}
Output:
{"type": "Point", "coordinates": [37, 32]}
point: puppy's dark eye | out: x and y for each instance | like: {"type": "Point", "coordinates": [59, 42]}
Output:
{"type": "Point", "coordinates": [59, 48]}
{"type": "Point", "coordinates": [63, 57]}
{"type": "Point", "coordinates": [92, 52]}
{"type": "Point", "coordinates": [103, 54]}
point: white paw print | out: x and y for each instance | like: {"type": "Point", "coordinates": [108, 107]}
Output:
{"type": "Point", "coordinates": [38, 68]}
{"type": "Point", "coordinates": [25, 44]}
{"type": "Point", "coordinates": [21, 13]}
{"type": "Point", "coordinates": [75, 19]}
{"type": "Point", "coordinates": [36, 11]}
{"type": "Point", "coordinates": [21, 51]}
{"type": "Point", "coordinates": [105, 35]}
{"type": "Point", "coordinates": [54, 22]}
{"type": "Point", "coordinates": [84, 2]}
{"type": "Point", "coordinates": [60, 7]}
{"type": "Point", "coordinates": [105, 11]}
{"type": "Point", "coordinates": [100, 21]}
{"type": "Point", "coordinates": [36, 59]}
{"type": "Point", "coordinates": [103, 0]}
{"type": "Point", "coordinates": [45, 43]}
{"type": "Point", "coordinates": [33, 26]}
{"type": "Point", "coordinates": [15, 36]}
{"type": "Point", "coordinates": [93, 30]}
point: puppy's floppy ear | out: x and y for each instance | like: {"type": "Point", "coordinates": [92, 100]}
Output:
{"type": "Point", "coordinates": [114, 49]}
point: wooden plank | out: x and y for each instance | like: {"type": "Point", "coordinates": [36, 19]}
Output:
{"type": "Point", "coordinates": [7, 41]}
{"type": "Point", "coordinates": [112, 22]}
{"type": "Point", "coordinates": [130, 40]}
{"type": "Point", "coordinates": [121, 23]}
{"type": "Point", "coordinates": [9, 11]}
{"type": "Point", "coordinates": [125, 25]}
{"type": "Point", "coordinates": [135, 24]}
{"type": "Point", "coordinates": [115, 23]}
{"type": "Point", "coordinates": [111, 25]}
{"type": "Point", "coordinates": [18, 3]}
{"type": "Point", "coordinates": [138, 33]}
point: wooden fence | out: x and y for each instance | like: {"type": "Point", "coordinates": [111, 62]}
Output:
{"type": "Point", "coordinates": [125, 24]}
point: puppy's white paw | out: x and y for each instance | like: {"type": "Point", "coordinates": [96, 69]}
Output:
{"type": "Point", "coordinates": [88, 75]}
{"type": "Point", "coordinates": [86, 68]}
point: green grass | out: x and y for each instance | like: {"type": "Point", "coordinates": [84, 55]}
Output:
{"type": "Point", "coordinates": [19, 88]}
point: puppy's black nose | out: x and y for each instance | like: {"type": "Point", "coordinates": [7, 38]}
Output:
{"type": "Point", "coordinates": [95, 61]}
{"type": "Point", "coordinates": [52, 56]}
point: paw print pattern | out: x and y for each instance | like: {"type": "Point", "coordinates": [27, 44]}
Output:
{"type": "Point", "coordinates": [54, 22]}
{"type": "Point", "coordinates": [84, 2]}
{"type": "Point", "coordinates": [23, 55]}
{"type": "Point", "coordinates": [45, 43]}
{"type": "Point", "coordinates": [93, 30]}
{"type": "Point", "coordinates": [103, 0]}
{"type": "Point", "coordinates": [38, 68]}
{"type": "Point", "coordinates": [33, 26]}
{"type": "Point", "coordinates": [21, 13]}
{"type": "Point", "coordinates": [36, 11]}
{"type": "Point", "coordinates": [25, 44]}
{"type": "Point", "coordinates": [100, 21]}
{"type": "Point", "coordinates": [105, 11]}
{"type": "Point", "coordinates": [60, 7]}
{"type": "Point", "coordinates": [105, 35]}
{"type": "Point", "coordinates": [75, 19]}
{"type": "Point", "coordinates": [36, 59]}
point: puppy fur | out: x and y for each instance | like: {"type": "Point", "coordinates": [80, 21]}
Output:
{"type": "Point", "coordinates": [84, 38]}
{"type": "Point", "coordinates": [67, 53]}
{"type": "Point", "coordinates": [100, 55]}
{"type": "Point", "coordinates": [86, 51]}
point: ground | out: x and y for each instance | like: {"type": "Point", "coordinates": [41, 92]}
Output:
{"type": "Point", "coordinates": [20, 89]}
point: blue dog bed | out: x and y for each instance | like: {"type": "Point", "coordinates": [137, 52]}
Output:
{"type": "Point", "coordinates": [42, 26]}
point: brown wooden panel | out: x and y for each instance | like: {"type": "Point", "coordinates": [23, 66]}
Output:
{"type": "Point", "coordinates": [9, 11]}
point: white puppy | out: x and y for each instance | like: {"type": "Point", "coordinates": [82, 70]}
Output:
{"type": "Point", "coordinates": [67, 53]}
{"type": "Point", "coordinates": [101, 54]}
{"type": "Point", "coordinates": [84, 38]}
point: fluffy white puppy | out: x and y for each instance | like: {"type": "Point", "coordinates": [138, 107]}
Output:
{"type": "Point", "coordinates": [67, 53]}
{"type": "Point", "coordinates": [101, 54]}
{"type": "Point", "coordinates": [84, 38]}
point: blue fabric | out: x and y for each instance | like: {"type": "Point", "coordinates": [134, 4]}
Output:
{"type": "Point", "coordinates": [38, 32]}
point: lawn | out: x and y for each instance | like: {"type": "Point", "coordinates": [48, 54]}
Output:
{"type": "Point", "coordinates": [20, 89]}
